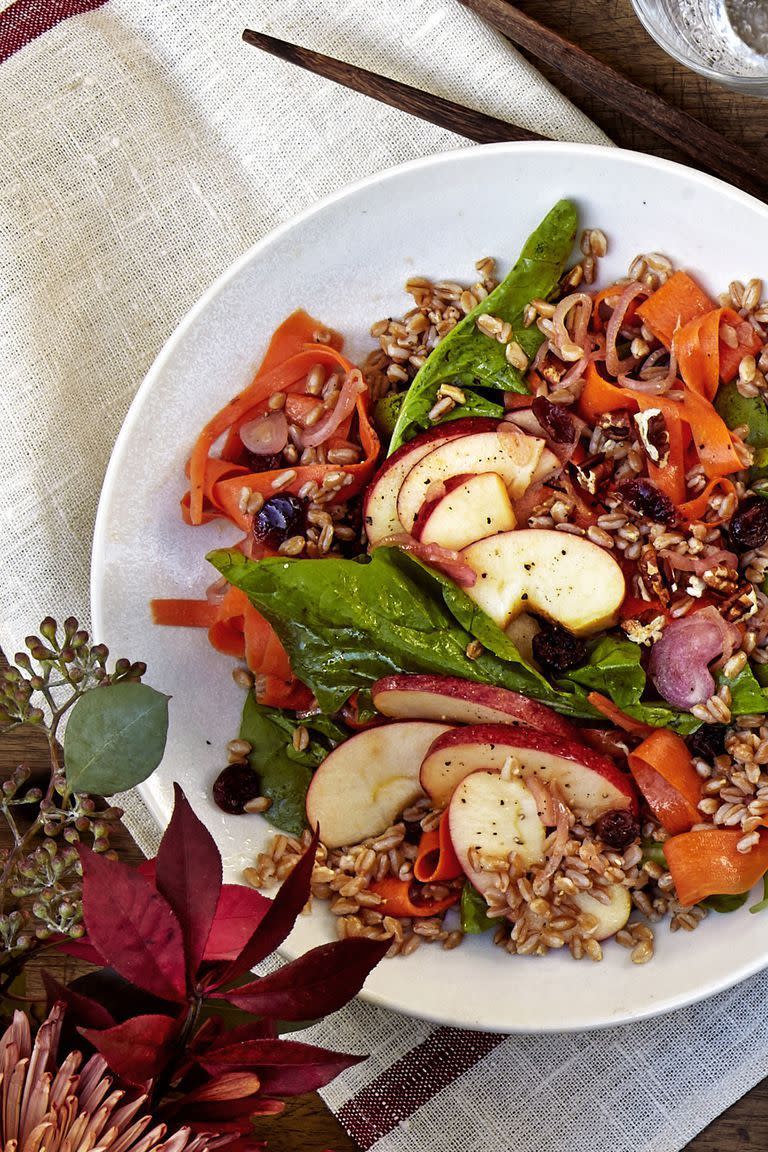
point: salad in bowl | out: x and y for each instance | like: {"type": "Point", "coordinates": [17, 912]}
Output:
{"type": "Point", "coordinates": [497, 604]}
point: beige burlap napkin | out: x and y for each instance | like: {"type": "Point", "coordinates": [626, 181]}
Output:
{"type": "Point", "coordinates": [143, 148]}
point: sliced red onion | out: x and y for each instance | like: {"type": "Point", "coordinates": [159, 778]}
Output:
{"type": "Point", "coordinates": [679, 661]}
{"type": "Point", "coordinates": [613, 364]}
{"type": "Point", "coordinates": [351, 389]}
{"type": "Point", "coordinates": [698, 564]}
{"type": "Point", "coordinates": [445, 559]}
{"type": "Point", "coordinates": [652, 385]}
{"type": "Point", "coordinates": [266, 435]}
{"type": "Point", "coordinates": [580, 301]}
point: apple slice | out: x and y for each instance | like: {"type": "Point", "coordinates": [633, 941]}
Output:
{"type": "Point", "coordinates": [456, 701]}
{"type": "Point", "coordinates": [366, 782]}
{"type": "Point", "coordinates": [490, 818]}
{"type": "Point", "coordinates": [510, 453]}
{"type": "Point", "coordinates": [612, 917]}
{"type": "Point", "coordinates": [566, 578]}
{"type": "Point", "coordinates": [472, 507]}
{"type": "Point", "coordinates": [590, 784]}
{"type": "Point", "coordinates": [380, 505]}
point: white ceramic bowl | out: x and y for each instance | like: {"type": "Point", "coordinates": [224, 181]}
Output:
{"type": "Point", "coordinates": [346, 261]}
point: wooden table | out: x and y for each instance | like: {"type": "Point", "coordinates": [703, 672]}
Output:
{"type": "Point", "coordinates": [609, 30]}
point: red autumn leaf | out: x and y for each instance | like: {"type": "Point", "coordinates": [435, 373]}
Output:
{"type": "Point", "coordinates": [87, 1011]}
{"type": "Point", "coordinates": [188, 875]}
{"type": "Point", "coordinates": [278, 919]}
{"type": "Point", "coordinates": [229, 1086]}
{"type": "Point", "coordinates": [138, 1049]}
{"type": "Point", "coordinates": [285, 1067]}
{"type": "Point", "coordinates": [239, 912]}
{"type": "Point", "coordinates": [132, 927]}
{"type": "Point", "coordinates": [317, 983]}
{"type": "Point", "coordinates": [81, 950]}
{"type": "Point", "coordinates": [255, 1030]}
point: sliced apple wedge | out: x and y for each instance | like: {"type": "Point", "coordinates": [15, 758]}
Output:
{"type": "Point", "coordinates": [472, 507]}
{"type": "Point", "coordinates": [612, 917]}
{"type": "Point", "coordinates": [365, 783]}
{"type": "Point", "coordinates": [590, 784]}
{"type": "Point", "coordinates": [566, 578]}
{"type": "Point", "coordinates": [456, 701]}
{"type": "Point", "coordinates": [380, 505]}
{"type": "Point", "coordinates": [489, 819]}
{"type": "Point", "coordinates": [510, 453]}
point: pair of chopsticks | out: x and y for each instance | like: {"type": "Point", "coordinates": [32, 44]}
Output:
{"type": "Point", "coordinates": [707, 148]}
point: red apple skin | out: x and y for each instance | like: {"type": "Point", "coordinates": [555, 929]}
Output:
{"type": "Point", "coordinates": [440, 433]}
{"type": "Point", "coordinates": [500, 704]}
{"type": "Point", "coordinates": [510, 737]}
{"type": "Point", "coordinates": [426, 509]}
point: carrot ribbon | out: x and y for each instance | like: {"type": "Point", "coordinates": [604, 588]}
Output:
{"type": "Point", "coordinates": [663, 771]}
{"type": "Point", "coordinates": [708, 863]}
{"type": "Point", "coordinates": [436, 859]}
{"type": "Point", "coordinates": [398, 899]}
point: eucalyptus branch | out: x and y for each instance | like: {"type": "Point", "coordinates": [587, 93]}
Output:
{"type": "Point", "coordinates": [40, 874]}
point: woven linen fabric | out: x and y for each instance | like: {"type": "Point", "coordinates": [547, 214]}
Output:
{"type": "Point", "coordinates": [142, 148]}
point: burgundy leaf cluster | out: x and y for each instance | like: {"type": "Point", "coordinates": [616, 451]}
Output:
{"type": "Point", "coordinates": [175, 948]}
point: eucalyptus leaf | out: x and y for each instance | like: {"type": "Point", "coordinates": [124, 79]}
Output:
{"type": "Point", "coordinates": [466, 356]}
{"type": "Point", "coordinates": [115, 738]}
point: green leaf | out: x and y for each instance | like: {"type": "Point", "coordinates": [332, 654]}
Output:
{"type": "Point", "coordinates": [727, 903]}
{"type": "Point", "coordinates": [385, 413]}
{"type": "Point", "coordinates": [747, 697]}
{"type": "Point", "coordinates": [736, 409]}
{"type": "Point", "coordinates": [474, 911]}
{"type": "Point", "coordinates": [346, 623]}
{"type": "Point", "coordinates": [285, 773]}
{"type": "Point", "coordinates": [614, 669]}
{"type": "Point", "coordinates": [468, 358]}
{"type": "Point", "coordinates": [762, 904]}
{"type": "Point", "coordinates": [475, 404]}
{"type": "Point", "coordinates": [654, 851]}
{"type": "Point", "coordinates": [115, 738]}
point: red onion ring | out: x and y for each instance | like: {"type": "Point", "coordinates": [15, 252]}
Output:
{"type": "Point", "coordinates": [445, 559]}
{"type": "Point", "coordinates": [698, 564]}
{"type": "Point", "coordinates": [351, 389]}
{"type": "Point", "coordinates": [266, 435]}
{"type": "Point", "coordinates": [613, 364]}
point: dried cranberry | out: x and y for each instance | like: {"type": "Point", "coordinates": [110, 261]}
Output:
{"type": "Point", "coordinates": [256, 463]}
{"type": "Point", "coordinates": [749, 526]}
{"type": "Point", "coordinates": [557, 650]}
{"type": "Point", "coordinates": [234, 786]}
{"type": "Point", "coordinates": [708, 742]}
{"type": "Point", "coordinates": [281, 517]}
{"type": "Point", "coordinates": [617, 829]}
{"type": "Point", "coordinates": [647, 499]}
{"type": "Point", "coordinates": [557, 421]}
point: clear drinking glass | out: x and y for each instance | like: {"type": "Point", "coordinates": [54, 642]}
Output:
{"type": "Point", "coordinates": [724, 40]}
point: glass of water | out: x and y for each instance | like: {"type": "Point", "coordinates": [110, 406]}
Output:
{"type": "Point", "coordinates": [724, 40]}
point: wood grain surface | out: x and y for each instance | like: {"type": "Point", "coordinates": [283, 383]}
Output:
{"type": "Point", "coordinates": [609, 30]}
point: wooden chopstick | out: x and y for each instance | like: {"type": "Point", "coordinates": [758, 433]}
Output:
{"type": "Point", "coordinates": [444, 113]}
{"type": "Point", "coordinates": [706, 147]}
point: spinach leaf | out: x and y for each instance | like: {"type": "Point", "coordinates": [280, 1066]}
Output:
{"type": "Point", "coordinates": [726, 903]}
{"type": "Point", "coordinates": [474, 911]}
{"type": "Point", "coordinates": [747, 697]}
{"type": "Point", "coordinates": [471, 359]}
{"type": "Point", "coordinates": [346, 623]}
{"type": "Point", "coordinates": [385, 413]}
{"type": "Point", "coordinates": [284, 773]}
{"type": "Point", "coordinates": [614, 669]}
{"type": "Point", "coordinates": [762, 904]}
{"type": "Point", "coordinates": [475, 404]}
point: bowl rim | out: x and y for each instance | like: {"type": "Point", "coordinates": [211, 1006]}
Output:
{"type": "Point", "coordinates": [757, 85]}
{"type": "Point", "coordinates": [168, 350]}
